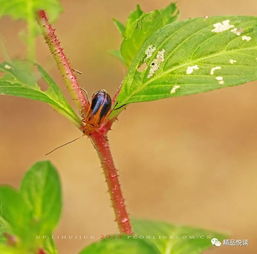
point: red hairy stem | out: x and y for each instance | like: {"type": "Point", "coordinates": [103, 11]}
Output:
{"type": "Point", "coordinates": [63, 62]}
{"type": "Point", "coordinates": [101, 144]}
{"type": "Point", "coordinates": [97, 135]}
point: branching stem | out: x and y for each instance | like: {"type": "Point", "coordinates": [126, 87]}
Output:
{"type": "Point", "coordinates": [98, 137]}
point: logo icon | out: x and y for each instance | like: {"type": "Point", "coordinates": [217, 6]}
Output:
{"type": "Point", "coordinates": [215, 242]}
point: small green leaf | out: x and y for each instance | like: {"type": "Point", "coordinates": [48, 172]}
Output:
{"type": "Point", "coordinates": [120, 245]}
{"type": "Point", "coordinates": [119, 25]}
{"type": "Point", "coordinates": [21, 81]}
{"type": "Point", "coordinates": [14, 212]}
{"type": "Point", "coordinates": [192, 56]}
{"type": "Point", "coordinates": [41, 189]}
{"type": "Point", "coordinates": [140, 26]}
{"type": "Point", "coordinates": [133, 17]}
{"type": "Point", "coordinates": [171, 239]}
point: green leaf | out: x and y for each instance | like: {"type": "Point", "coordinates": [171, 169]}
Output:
{"type": "Point", "coordinates": [29, 216]}
{"type": "Point", "coordinates": [55, 93]}
{"type": "Point", "coordinates": [120, 245]}
{"type": "Point", "coordinates": [41, 189]}
{"type": "Point", "coordinates": [171, 239]}
{"type": "Point", "coordinates": [153, 237]}
{"type": "Point", "coordinates": [20, 9]}
{"type": "Point", "coordinates": [133, 17]}
{"type": "Point", "coordinates": [140, 26]}
{"type": "Point", "coordinates": [14, 212]}
{"type": "Point", "coordinates": [21, 81]}
{"type": "Point", "coordinates": [191, 57]}
{"type": "Point", "coordinates": [26, 10]}
{"type": "Point", "coordinates": [119, 25]}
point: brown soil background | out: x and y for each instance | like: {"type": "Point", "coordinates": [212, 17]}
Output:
{"type": "Point", "coordinates": [189, 160]}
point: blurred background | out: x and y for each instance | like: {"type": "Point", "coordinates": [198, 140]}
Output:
{"type": "Point", "coordinates": [188, 160]}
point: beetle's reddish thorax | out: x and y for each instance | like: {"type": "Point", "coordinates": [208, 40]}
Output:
{"type": "Point", "coordinates": [99, 109]}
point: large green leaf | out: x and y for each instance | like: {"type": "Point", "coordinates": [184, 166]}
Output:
{"type": "Point", "coordinates": [120, 245]}
{"type": "Point", "coordinates": [41, 189]}
{"type": "Point", "coordinates": [21, 81]}
{"type": "Point", "coordinates": [14, 211]}
{"type": "Point", "coordinates": [171, 239]}
{"type": "Point", "coordinates": [140, 26]}
{"type": "Point", "coordinates": [192, 56]}
{"type": "Point", "coordinates": [153, 237]}
{"type": "Point", "coordinates": [29, 216]}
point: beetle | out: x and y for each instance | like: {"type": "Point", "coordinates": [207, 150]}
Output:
{"type": "Point", "coordinates": [100, 107]}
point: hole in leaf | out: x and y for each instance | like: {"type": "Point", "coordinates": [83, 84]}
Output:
{"type": "Point", "coordinates": [39, 79]}
{"type": "Point", "coordinates": [43, 85]}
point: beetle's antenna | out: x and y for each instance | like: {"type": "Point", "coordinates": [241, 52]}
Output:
{"type": "Point", "coordinates": [67, 143]}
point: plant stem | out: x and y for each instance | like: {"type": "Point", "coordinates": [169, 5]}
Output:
{"type": "Point", "coordinates": [63, 63]}
{"type": "Point", "coordinates": [98, 137]}
{"type": "Point", "coordinates": [101, 144]}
